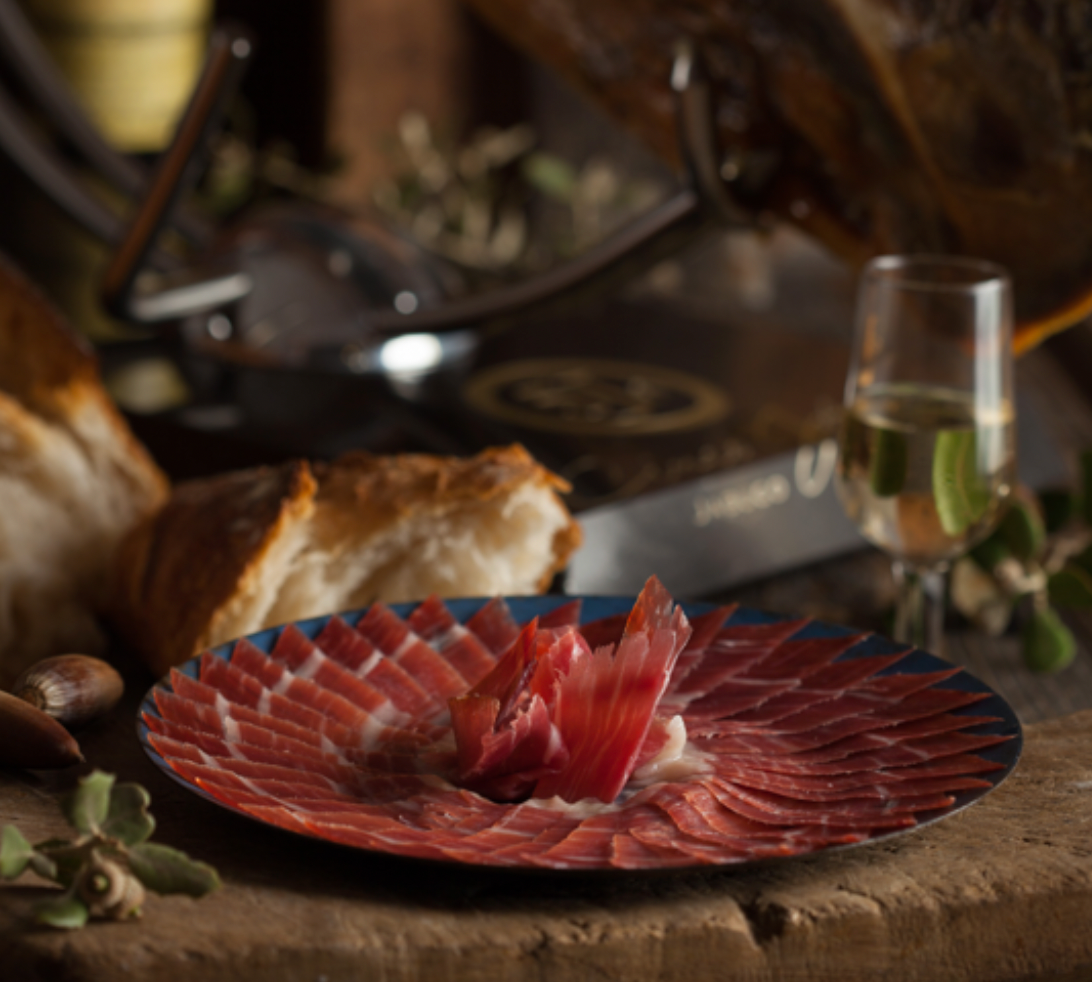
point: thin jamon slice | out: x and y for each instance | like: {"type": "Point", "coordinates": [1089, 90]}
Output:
{"type": "Point", "coordinates": [520, 828]}
{"type": "Point", "coordinates": [202, 707]}
{"type": "Point", "coordinates": [802, 732]}
{"type": "Point", "coordinates": [588, 845]}
{"type": "Point", "coordinates": [732, 652]}
{"type": "Point", "coordinates": [871, 751]}
{"type": "Point", "coordinates": [494, 626]}
{"type": "Point", "coordinates": [800, 658]}
{"type": "Point", "coordinates": [345, 646]}
{"type": "Point", "coordinates": [605, 630]}
{"type": "Point", "coordinates": [434, 623]}
{"type": "Point", "coordinates": [379, 836]}
{"type": "Point", "coordinates": [562, 617]}
{"type": "Point", "coordinates": [506, 679]}
{"type": "Point", "coordinates": [306, 660]}
{"type": "Point", "coordinates": [785, 667]}
{"type": "Point", "coordinates": [731, 699]}
{"type": "Point", "coordinates": [303, 692]}
{"type": "Point", "coordinates": [554, 829]}
{"type": "Point", "coordinates": [827, 683]}
{"type": "Point", "coordinates": [630, 853]}
{"type": "Point", "coordinates": [705, 628]}
{"type": "Point", "coordinates": [388, 632]}
{"type": "Point", "coordinates": [864, 708]}
{"type": "Point", "coordinates": [605, 704]}
{"type": "Point", "coordinates": [657, 830]}
{"type": "Point", "coordinates": [851, 813]}
{"type": "Point", "coordinates": [670, 797]}
{"type": "Point", "coordinates": [236, 686]}
{"type": "Point", "coordinates": [278, 750]}
{"type": "Point", "coordinates": [272, 790]}
{"type": "Point", "coordinates": [504, 762]}
{"type": "Point", "coordinates": [879, 784]}
{"type": "Point", "coordinates": [462, 811]}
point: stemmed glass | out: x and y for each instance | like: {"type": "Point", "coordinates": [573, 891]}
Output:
{"type": "Point", "coordinates": [928, 454]}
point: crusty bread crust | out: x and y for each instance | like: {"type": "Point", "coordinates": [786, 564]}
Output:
{"type": "Point", "coordinates": [73, 480]}
{"type": "Point", "coordinates": [182, 571]}
{"type": "Point", "coordinates": [237, 553]}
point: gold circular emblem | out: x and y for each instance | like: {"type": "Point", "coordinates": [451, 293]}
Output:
{"type": "Point", "coordinates": [595, 397]}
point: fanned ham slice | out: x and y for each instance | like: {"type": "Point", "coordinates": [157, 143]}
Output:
{"type": "Point", "coordinates": [604, 705]}
{"type": "Point", "coordinates": [733, 651]}
{"type": "Point", "coordinates": [754, 741]}
{"type": "Point", "coordinates": [390, 635]}
{"type": "Point", "coordinates": [345, 646]}
{"type": "Point", "coordinates": [494, 626]}
{"type": "Point", "coordinates": [434, 623]}
{"type": "Point", "coordinates": [307, 661]}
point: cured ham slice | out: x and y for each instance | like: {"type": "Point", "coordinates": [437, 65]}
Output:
{"type": "Point", "coordinates": [345, 646]}
{"type": "Point", "coordinates": [641, 740]}
{"type": "Point", "coordinates": [434, 623]}
{"type": "Point", "coordinates": [604, 705]}
{"type": "Point", "coordinates": [392, 636]}
{"type": "Point", "coordinates": [494, 626]}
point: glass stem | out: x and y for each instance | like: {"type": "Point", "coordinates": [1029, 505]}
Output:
{"type": "Point", "coordinates": [919, 610]}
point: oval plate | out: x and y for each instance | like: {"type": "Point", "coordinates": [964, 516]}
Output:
{"type": "Point", "coordinates": [466, 829]}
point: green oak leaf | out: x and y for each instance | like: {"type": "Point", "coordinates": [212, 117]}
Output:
{"type": "Point", "coordinates": [960, 494]}
{"type": "Point", "coordinates": [127, 818]}
{"type": "Point", "coordinates": [15, 853]}
{"type": "Point", "coordinates": [1022, 529]}
{"type": "Point", "coordinates": [66, 858]}
{"type": "Point", "coordinates": [45, 868]}
{"type": "Point", "coordinates": [167, 870]}
{"type": "Point", "coordinates": [86, 808]}
{"type": "Point", "coordinates": [1071, 586]}
{"type": "Point", "coordinates": [65, 912]}
{"type": "Point", "coordinates": [1049, 645]}
{"type": "Point", "coordinates": [991, 552]}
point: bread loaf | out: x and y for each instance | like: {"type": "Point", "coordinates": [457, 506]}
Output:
{"type": "Point", "coordinates": [73, 480]}
{"type": "Point", "coordinates": [233, 554]}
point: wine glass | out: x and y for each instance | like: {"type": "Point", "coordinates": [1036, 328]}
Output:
{"type": "Point", "coordinates": [928, 452]}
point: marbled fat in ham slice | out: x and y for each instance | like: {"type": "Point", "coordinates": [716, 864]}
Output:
{"type": "Point", "coordinates": [390, 634]}
{"type": "Point", "coordinates": [305, 659]}
{"type": "Point", "coordinates": [795, 742]}
{"type": "Point", "coordinates": [731, 653]}
{"type": "Point", "coordinates": [434, 623]}
{"type": "Point", "coordinates": [345, 646]}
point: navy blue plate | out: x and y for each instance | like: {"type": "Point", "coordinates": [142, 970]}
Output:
{"type": "Point", "coordinates": [1006, 754]}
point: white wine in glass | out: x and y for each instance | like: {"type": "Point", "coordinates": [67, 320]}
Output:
{"type": "Point", "coordinates": [928, 453]}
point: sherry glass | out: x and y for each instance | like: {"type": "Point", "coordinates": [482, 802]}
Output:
{"type": "Point", "coordinates": [927, 456]}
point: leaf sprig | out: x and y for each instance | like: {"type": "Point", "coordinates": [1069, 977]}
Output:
{"type": "Point", "coordinates": [1042, 552]}
{"type": "Point", "coordinates": [104, 871]}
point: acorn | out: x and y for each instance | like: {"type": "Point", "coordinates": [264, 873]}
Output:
{"type": "Point", "coordinates": [31, 738]}
{"type": "Point", "coordinates": [109, 890]}
{"type": "Point", "coordinates": [73, 689]}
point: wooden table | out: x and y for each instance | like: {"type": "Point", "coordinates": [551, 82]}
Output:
{"type": "Point", "coordinates": [1001, 891]}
